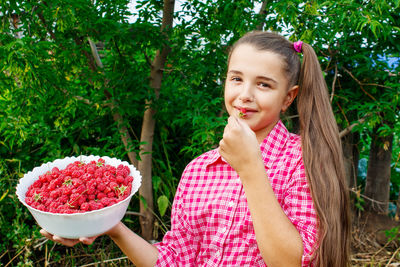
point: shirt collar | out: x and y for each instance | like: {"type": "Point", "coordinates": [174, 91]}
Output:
{"type": "Point", "coordinates": [270, 147]}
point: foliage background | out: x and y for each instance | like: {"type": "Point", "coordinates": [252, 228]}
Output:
{"type": "Point", "coordinates": [55, 103]}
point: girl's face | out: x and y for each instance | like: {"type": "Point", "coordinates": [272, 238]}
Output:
{"type": "Point", "coordinates": [256, 83]}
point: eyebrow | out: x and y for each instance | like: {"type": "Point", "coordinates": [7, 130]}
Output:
{"type": "Point", "coordinates": [258, 77]}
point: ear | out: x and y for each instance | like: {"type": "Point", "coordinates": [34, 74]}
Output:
{"type": "Point", "coordinates": [290, 96]}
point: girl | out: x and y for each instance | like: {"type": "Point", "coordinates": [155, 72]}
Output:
{"type": "Point", "coordinates": [265, 196]}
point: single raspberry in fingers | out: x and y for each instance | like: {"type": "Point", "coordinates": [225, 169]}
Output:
{"type": "Point", "coordinates": [242, 112]}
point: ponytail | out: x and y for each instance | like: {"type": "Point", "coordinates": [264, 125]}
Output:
{"type": "Point", "coordinates": [322, 150]}
{"type": "Point", "coordinates": [323, 161]}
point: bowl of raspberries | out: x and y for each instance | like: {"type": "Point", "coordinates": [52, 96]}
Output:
{"type": "Point", "coordinates": [80, 196]}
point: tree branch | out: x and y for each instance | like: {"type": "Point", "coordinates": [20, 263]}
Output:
{"type": "Point", "coordinates": [95, 53]}
{"type": "Point", "coordinates": [147, 58]}
{"type": "Point", "coordinates": [350, 127]}
{"type": "Point", "coordinates": [365, 84]}
{"type": "Point", "coordinates": [43, 20]}
{"type": "Point", "coordinates": [334, 82]}
{"type": "Point", "coordinates": [263, 15]}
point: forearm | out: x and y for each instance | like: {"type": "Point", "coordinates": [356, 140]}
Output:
{"type": "Point", "coordinates": [138, 250]}
{"type": "Point", "coordinates": [279, 241]}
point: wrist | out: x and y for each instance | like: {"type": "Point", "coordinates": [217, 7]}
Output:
{"type": "Point", "coordinates": [252, 170]}
{"type": "Point", "coordinates": [115, 231]}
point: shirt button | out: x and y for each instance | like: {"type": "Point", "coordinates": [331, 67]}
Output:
{"type": "Point", "coordinates": [223, 230]}
{"type": "Point", "coordinates": [231, 204]}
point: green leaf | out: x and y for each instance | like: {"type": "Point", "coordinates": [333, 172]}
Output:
{"type": "Point", "coordinates": [162, 203]}
{"type": "Point", "coordinates": [4, 195]}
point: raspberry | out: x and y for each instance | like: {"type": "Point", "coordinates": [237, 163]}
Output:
{"type": "Point", "coordinates": [101, 195]}
{"type": "Point", "coordinates": [37, 184]}
{"type": "Point", "coordinates": [101, 186]}
{"type": "Point", "coordinates": [91, 170]}
{"type": "Point", "coordinates": [80, 187]}
{"type": "Point", "coordinates": [120, 179]}
{"type": "Point", "coordinates": [76, 174]}
{"type": "Point", "coordinates": [66, 190]}
{"type": "Point", "coordinates": [107, 190]}
{"type": "Point", "coordinates": [105, 201]}
{"type": "Point", "coordinates": [86, 177]}
{"type": "Point", "coordinates": [41, 207]}
{"type": "Point", "coordinates": [52, 185]}
{"type": "Point", "coordinates": [29, 201]}
{"type": "Point", "coordinates": [242, 112]}
{"type": "Point", "coordinates": [114, 185]}
{"type": "Point", "coordinates": [85, 206]}
{"type": "Point", "coordinates": [63, 199]}
{"type": "Point", "coordinates": [113, 201]}
{"type": "Point", "coordinates": [91, 189]}
{"type": "Point", "coordinates": [55, 193]}
{"type": "Point", "coordinates": [94, 205]}
{"type": "Point", "coordinates": [76, 182]}
{"type": "Point", "coordinates": [55, 172]}
{"type": "Point", "coordinates": [47, 177]}
{"type": "Point", "coordinates": [111, 194]}
{"type": "Point", "coordinates": [128, 180]}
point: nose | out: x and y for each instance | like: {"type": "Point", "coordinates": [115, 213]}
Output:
{"type": "Point", "coordinates": [246, 94]}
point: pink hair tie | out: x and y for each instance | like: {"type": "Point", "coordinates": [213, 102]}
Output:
{"type": "Point", "coordinates": [297, 46]}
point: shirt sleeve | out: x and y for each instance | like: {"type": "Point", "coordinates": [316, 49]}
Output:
{"type": "Point", "coordinates": [300, 209]}
{"type": "Point", "coordinates": [178, 247]}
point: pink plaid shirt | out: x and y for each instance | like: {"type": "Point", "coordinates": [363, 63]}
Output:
{"type": "Point", "coordinates": [211, 223]}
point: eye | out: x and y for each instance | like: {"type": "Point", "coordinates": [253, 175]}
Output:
{"type": "Point", "coordinates": [264, 85]}
{"type": "Point", "coordinates": [236, 79]}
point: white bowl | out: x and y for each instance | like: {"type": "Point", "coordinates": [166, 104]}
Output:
{"type": "Point", "coordinates": [77, 225]}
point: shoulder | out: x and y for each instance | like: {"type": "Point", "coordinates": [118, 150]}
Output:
{"type": "Point", "coordinates": [203, 160]}
{"type": "Point", "coordinates": [294, 164]}
{"type": "Point", "coordinates": [195, 174]}
{"type": "Point", "coordinates": [293, 147]}
{"type": "Point", "coordinates": [198, 166]}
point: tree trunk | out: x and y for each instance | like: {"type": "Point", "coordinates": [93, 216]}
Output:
{"type": "Point", "coordinates": [378, 174]}
{"type": "Point", "coordinates": [147, 134]}
{"type": "Point", "coordinates": [351, 157]}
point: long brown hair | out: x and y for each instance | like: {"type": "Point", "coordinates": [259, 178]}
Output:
{"type": "Point", "coordinates": [321, 145]}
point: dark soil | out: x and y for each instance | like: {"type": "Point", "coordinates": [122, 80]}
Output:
{"type": "Point", "coordinates": [375, 240]}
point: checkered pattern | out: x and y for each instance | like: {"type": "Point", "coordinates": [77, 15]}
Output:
{"type": "Point", "coordinates": [211, 223]}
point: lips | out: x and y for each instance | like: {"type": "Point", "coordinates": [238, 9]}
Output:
{"type": "Point", "coordinates": [245, 110]}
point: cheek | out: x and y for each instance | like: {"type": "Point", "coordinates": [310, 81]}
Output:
{"type": "Point", "coordinates": [270, 102]}
{"type": "Point", "coordinates": [229, 97]}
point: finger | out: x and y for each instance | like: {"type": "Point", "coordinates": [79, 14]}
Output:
{"type": "Point", "coordinates": [231, 125]}
{"type": "Point", "coordinates": [232, 120]}
{"type": "Point", "coordinates": [221, 146]}
{"type": "Point", "coordinates": [87, 240]}
{"type": "Point", "coordinates": [65, 241]}
{"type": "Point", "coordinates": [242, 124]}
{"type": "Point", "coordinates": [46, 234]}
{"type": "Point", "coordinates": [228, 126]}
